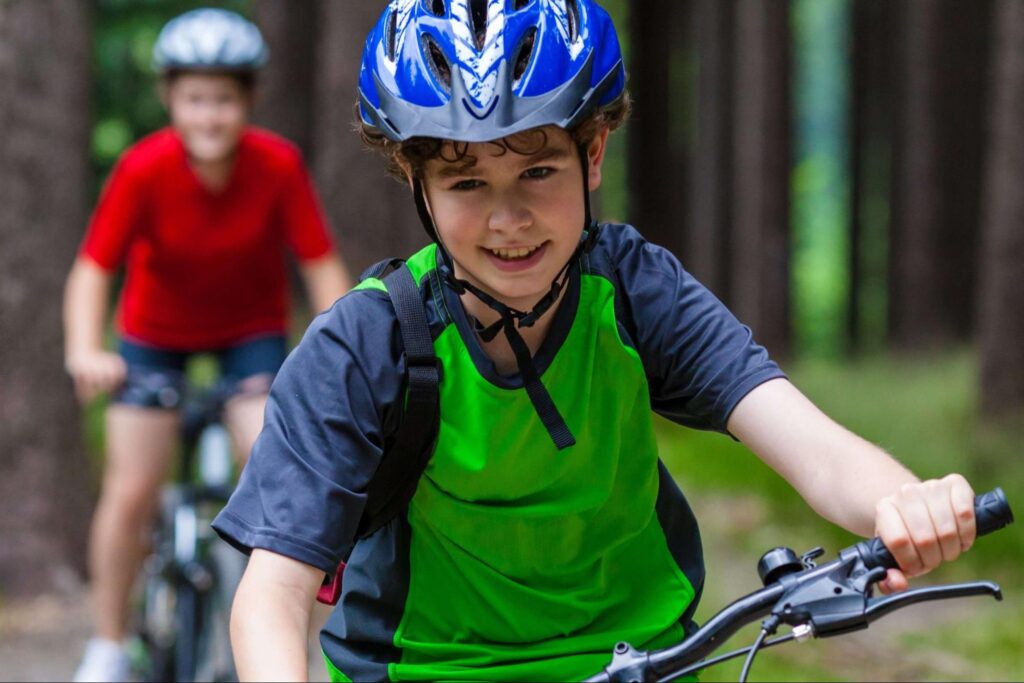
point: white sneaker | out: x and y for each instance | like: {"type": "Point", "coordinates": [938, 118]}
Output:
{"type": "Point", "coordinates": [104, 661]}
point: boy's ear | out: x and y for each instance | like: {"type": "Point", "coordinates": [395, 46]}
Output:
{"type": "Point", "coordinates": [595, 155]}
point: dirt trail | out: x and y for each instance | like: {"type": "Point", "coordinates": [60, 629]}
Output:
{"type": "Point", "coordinates": [43, 639]}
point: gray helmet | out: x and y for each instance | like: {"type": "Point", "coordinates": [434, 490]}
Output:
{"type": "Point", "coordinates": [209, 38]}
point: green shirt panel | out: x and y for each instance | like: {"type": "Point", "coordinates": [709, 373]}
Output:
{"type": "Point", "coordinates": [530, 563]}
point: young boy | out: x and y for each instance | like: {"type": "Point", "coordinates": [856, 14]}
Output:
{"type": "Point", "coordinates": [545, 528]}
{"type": "Point", "coordinates": [202, 215]}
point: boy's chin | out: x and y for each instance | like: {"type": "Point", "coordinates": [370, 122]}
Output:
{"type": "Point", "coordinates": [521, 299]}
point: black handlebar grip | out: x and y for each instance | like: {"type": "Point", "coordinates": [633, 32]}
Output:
{"type": "Point", "coordinates": [991, 512]}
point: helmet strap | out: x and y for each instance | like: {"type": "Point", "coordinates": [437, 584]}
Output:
{"type": "Point", "coordinates": [511, 318]}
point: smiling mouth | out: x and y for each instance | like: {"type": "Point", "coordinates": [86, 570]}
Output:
{"type": "Point", "coordinates": [515, 254]}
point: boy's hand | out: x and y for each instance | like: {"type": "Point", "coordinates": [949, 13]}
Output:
{"type": "Point", "coordinates": [923, 525]}
{"type": "Point", "coordinates": [95, 372]}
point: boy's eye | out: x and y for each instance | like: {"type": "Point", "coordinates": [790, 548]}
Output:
{"type": "Point", "coordinates": [538, 172]}
{"type": "Point", "coordinates": [469, 184]}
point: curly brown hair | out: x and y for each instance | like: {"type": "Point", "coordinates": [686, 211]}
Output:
{"type": "Point", "coordinates": [412, 155]}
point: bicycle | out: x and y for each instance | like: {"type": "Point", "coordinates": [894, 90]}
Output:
{"type": "Point", "coordinates": [190, 576]}
{"type": "Point", "coordinates": [823, 601]}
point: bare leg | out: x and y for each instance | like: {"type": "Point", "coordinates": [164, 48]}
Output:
{"type": "Point", "coordinates": [140, 448]}
{"type": "Point", "coordinates": [243, 415]}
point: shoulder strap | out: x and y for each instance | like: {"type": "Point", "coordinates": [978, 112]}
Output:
{"type": "Point", "coordinates": [394, 483]}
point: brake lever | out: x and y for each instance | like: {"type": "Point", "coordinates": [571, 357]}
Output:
{"type": "Point", "coordinates": [878, 607]}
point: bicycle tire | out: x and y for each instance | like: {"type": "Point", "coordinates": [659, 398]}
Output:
{"type": "Point", "coordinates": [156, 603]}
{"type": "Point", "coordinates": [189, 606]}
{"type": "Point", "coordinates": [156, 619]}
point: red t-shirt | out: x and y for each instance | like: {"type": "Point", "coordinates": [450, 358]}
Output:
{"type": "Point", "coordinates": [204, 270]}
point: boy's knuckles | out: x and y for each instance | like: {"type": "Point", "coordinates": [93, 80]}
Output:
{"type": "Point", "coordinates": [949, 534]}
{"type": "Point", "coordinates": [926, 543]}
{"type": "Point", "coordinates": [956, 480]}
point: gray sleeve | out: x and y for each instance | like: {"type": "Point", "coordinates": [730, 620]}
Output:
{"type": "Point", "coordinates": [699, 359]}
{"type": "Point", "coordinates": [304, 488]}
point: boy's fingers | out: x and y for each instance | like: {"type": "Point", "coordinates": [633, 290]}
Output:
{"type": "Point", "coordinates": [914, 510]}
{"type": "Point", "coordinates": [893, 531]}
{"type": "Point", "coordinates": [894, 582]}
{"type": "Point", "coordinates": [944, 521]}
{"type": "Point", "coordinates": [85, 388]}
{"type": "Point", "coordinates": [961, 497]}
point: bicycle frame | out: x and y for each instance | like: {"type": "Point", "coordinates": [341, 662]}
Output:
{"type": "Point", "coordinates": [183, 561]}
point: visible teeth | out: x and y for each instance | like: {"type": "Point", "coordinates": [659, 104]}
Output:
{"type": "Point", "coordinates": [519, 253]}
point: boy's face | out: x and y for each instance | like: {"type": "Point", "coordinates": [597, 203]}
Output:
{"type": "Point", "coordinates": [511, 220]}
{"type": "Point", "coordinates": [209, 112]}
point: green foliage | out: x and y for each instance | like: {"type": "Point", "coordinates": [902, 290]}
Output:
{"type": "Point", "coordinates": [611, 199]}
{"type": "Point", "coordinates": [923, 411]}
{"type": "Point", "coordinates": [820, 183]}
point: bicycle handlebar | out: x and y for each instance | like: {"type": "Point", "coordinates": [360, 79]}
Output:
{"type": "Point", "coordinates": [827, 600]}
{"type": "Point", "coordinates": [991, 513]}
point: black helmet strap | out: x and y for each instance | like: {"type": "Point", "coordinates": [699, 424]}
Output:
{"type": "Point", "coordinates": [511, 318]}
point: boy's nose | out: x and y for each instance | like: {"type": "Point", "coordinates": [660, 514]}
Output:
{"type": "Point", "coordinates": [509, 217]}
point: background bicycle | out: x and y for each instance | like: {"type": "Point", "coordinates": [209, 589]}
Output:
{"type": "Point", "coordinates": [190, 576]}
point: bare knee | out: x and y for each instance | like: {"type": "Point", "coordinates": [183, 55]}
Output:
{"type": "Point", "coordinates": [244, 415]}
{"type": "Point", "coordinates": [140, 449]}
{"type": "Point", "coordinates": [130, 499]}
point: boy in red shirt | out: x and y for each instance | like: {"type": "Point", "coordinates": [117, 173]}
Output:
{"type": "Point", "coordinates": [201, 215]}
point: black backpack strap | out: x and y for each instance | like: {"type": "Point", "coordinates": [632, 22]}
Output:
{"type": "Point", "coordinates": [394, 483]}
{"type": "Point", "coordinates": [378, 269]}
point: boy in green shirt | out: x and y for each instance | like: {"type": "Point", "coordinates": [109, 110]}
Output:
{"type": "Point", "coordinates": [545, 528]}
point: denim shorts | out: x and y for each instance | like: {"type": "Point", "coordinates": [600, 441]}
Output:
{"type": "Point", "coordinates": [156, 376]}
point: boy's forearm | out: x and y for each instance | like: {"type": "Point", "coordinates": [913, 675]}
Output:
{"type": "Point", "coordinates": [840, 475]}
{"type": "Point", "coordinates": [859, 475]}
{"type": "Point", "coordinates": [325, 279]}
{"type": "Point", "coordinates": [85, 307]}
{"type": "Point", "coordinates": [270, 621]}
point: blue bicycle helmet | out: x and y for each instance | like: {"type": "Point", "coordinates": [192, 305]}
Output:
{"type": "Point", "coordinates": [479, 70]}
{"type": "Point", "coordinates": [208, 38]}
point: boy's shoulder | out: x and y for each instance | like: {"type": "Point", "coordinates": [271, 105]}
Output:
{"type": "Point", "coordinates": [622, 252]}
{"type": "Point", "coordinates": [274, 151]}
{"type": "Point", "coordinates": [151, 153]}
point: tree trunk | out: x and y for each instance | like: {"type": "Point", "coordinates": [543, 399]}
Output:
{"type": "Point", "coordinates": [657, 181]}
{"type": "Point", "coordinates": [373, 215]}
{"type": "Point", "coordinates": [760, 238]}
{"type": "Point", "coordinates": [1001, 319]}
{"type": "Point", "coordinates": [285, 99]}
{"type": "Point", "coordinates": [938, 177]}
{"type": "Point", "coordinates": [708, 246]}
{"type": "Point", "coordinates": [44, 181]}
{"type": "Point", "coordinates": [870, 151]}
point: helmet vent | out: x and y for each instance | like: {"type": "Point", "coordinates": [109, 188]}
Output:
{"type": "Point", "coordinates": [437, 8]}
{"type": "Point", "coordinates": [437, 62]}
{"type": "Point", "coordinates": [572, 12]}
{"type": "Point", "coordinates": [520, 4]}
{"type": "Point", "coordinates": [523, 55]}
{"type": "Point", "coordinates": [392, 34]}
{"type": "Point", "coordinates": [478, 15]}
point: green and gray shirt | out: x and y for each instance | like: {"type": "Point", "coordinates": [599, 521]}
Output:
{"type": "Point", "coordinates": [515, 561]}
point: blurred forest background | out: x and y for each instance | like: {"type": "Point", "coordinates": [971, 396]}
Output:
{"type": "Point", "coordinates": [847, 175]}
